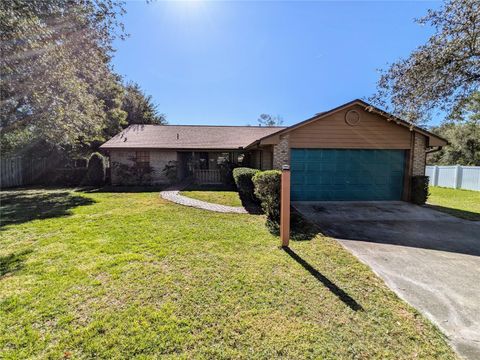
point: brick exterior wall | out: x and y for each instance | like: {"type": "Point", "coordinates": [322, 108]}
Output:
{"type": "Point", "coordinates": [281, 153]}
{"type": "Point", "coordinates": [158, 160]}
{"type": "Point", "coordinates": [419, 154]}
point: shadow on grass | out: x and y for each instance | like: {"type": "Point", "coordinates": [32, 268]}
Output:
{"type": "Point", "coordinates": [13, 262]}
{"type": "Point", "coordinates": [252, 207]}
{"type": "Point", "coordinates": [300, 228]}
{"type": "Point", "coordinates": [342, 295]}
{"type": "Point", "coordinates": [462, 214]}
{"type": "Point", "coordinates": [22, 206]}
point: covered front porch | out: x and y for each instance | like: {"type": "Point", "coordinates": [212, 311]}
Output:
{"type": "Point", "coordinates": [208, 167]}
{"type": "Point", "coordinates": [215, 166]}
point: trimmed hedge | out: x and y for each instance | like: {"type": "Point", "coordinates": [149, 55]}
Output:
{"type": "Point", "coordinates": [243, 179]}
{"type": "Point", "coordinates": [420, 192]}
{"type": "Point", "coordinates": [96, 170]}
{"type": "Point", "coordinates": [267, 190]}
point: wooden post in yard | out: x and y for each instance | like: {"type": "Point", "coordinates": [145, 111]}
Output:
{"type": "Point", "coordinates": [285, 206]}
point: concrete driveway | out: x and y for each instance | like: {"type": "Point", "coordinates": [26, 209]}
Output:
{"type": "Point", "coordinates": [430, 259]}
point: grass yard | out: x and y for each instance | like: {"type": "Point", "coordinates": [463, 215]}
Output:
{"type": "Point", "coordinates": [129, 275]}
{"type": "Point", "coordinates": [229, 198]}
{"type": "Point", "coordinates": [464, 204]}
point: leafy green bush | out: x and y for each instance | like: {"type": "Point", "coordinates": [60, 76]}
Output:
{"type": "Point", "coordinates": [171, 171]}
{"type": "Point", "coordinates": [96, 170]}
{"type": "Point", "coordinates": [226, 172]}
{"type": "Point", "coordinates": [126, 175]}
{"type": "Point", "coordinates": [267, 190]}
{"type": "Point", "coordinates": [243, 179]}
{"type": "Point", "coordinates": [420, 192]}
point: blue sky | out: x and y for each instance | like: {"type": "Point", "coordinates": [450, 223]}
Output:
{"type": "Point", "coordinates": [227, 62]}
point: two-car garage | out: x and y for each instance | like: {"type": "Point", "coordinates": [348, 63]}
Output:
{"type": "Point", "coordinates": [355, 152]}
{"type": "Point", "coordinates": [347, 174]}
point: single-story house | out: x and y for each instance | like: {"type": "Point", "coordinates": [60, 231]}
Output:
{"type": "Point", "coordinates": [352, 152]}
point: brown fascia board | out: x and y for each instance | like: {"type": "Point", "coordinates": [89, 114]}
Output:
{"type": "Point", "coordinates": [257, 143]}
{"type": "Point", "coordinates": [368, 107]}
{"type": "Point", "coordinates": [170, 149]}
{"type": "Point", "coordinates": [253, 144]}
{"type": "Point", "coordinates": [412, 127]}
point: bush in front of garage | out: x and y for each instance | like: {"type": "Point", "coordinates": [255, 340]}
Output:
{"type": "Point", "coordinates": [267, 190]}
{"type": "Point", "coordinates": [420, 192]}
{"type": "Point", "coordinates": [243, 179]}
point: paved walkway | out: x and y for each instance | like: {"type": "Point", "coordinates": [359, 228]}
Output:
{"type": "Point", "coordinates": [173, 194]}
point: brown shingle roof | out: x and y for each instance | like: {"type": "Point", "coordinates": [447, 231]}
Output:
{"type": "Point", "coordinates": [188, 137]}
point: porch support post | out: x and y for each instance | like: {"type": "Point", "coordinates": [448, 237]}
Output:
{"type": "Point", "coordinates": [285, 206]}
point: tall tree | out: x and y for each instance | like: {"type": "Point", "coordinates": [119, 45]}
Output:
{"type": "Point", "coordinates": [441, 74]}
{"type": "Point", "coordinates": [140, 108]}
{"type": "Point", "coordinates": [54, 68]}
{"type": "Point", "coordinates": [112, 94]}
{"type": "Point", "coordinates": [463, 135]}
{"type": "Point", "coordinates": [269, 120]}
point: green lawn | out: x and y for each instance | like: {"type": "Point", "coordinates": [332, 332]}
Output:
{"type": "Point", "coordinates": [229, 198]}
{"type": "Point", "coordinates": [464, 204]}
{"type": "Point", "coordinates": [129, 275]}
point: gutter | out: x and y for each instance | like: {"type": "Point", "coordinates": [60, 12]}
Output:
{"type": "Point", "coordinates": [430, 151]}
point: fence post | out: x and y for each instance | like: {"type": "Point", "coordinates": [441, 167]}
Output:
{"type": "Point", "coordinates": [435, 175]}
{"type": "Point", "coordinates": [458, 177]}
{"type": "Point", "coordinates": [285, 206]}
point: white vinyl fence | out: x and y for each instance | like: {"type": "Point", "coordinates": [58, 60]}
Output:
{"type": "Point", "coordinates": [455, 176]}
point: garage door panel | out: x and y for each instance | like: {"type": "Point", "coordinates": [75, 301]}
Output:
{"type": "Point", "coordinates": [328, 156]}
{"type": "Point", "coordinates": [322, 179]}
{"type": "Point", "coordinates": [396, 178]}
{"type": "Point", "coordinates": [312, 165]}
{"type": "Point", "coordinates": [297, 179]}
{"type": "Point", "coordinates": [339, 178]}
{"type": "Point", "coordinates": [297, 155]}
{"type": "Point", "coordinates": [314, 156]}
{"type": "Point", "coordinates": [381, 180]}
{"type": "Point", "coordinates": [342, 156]}
{"type": "Point", "coordinates": [297, 165]}
{"type": "Point", "coordinates": [355, 180]}
{"type": "Point", "coordinates": [319, 166]}
{"type": "Point", "coordinates": [397, 166]}
{"type": "Point", "coordinates": [341, 174]}
{"type": "Point", "coordinates": [344, 166]}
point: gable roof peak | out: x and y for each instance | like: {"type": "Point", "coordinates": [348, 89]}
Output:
{"type": "Point", "coordinates": [367, 107]}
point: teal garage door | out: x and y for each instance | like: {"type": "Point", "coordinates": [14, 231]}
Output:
{"type": "Point", "coordinates": [343, 174]}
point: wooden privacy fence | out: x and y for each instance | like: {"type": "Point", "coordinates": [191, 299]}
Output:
{"type": "Point", "coordinates": [207, 176]}
{"type": "Point", "coordinates": [20, 171]}
{"type": "Point", "coordinates": [455, 176]}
